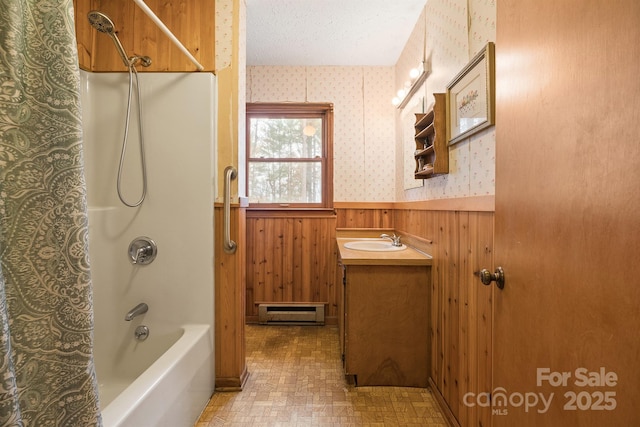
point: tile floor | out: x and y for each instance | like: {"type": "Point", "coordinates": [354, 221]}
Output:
{"type": "Point", "coordinates": [296, 379]}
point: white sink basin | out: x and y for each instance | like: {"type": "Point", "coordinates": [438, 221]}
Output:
{"type": "Point", "coordinates": [373, 245]}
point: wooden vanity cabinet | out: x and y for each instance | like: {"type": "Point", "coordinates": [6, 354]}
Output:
{"type": "Point", "coordinates": [384, 324]}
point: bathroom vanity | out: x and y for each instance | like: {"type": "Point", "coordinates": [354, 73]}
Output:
{"type": "Point", "coordinates": [384, 315]}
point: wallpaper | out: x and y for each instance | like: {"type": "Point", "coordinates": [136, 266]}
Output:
{"type": "Point", "coordinates": [452, 32]}
{"type": "Point", "coordinates": [372, 150]}
{"type": "Point", "coordinates": [224, 33]}
{"type": "Point", "coordinates": [364, 137]}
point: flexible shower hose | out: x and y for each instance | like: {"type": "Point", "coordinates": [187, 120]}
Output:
{"type": "Point", "coordinates": [132, 72]}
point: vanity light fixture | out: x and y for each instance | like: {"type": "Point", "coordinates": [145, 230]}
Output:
{"type": "Point", "coordinates": [417, 75]}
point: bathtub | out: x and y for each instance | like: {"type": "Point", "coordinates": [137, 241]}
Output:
{"type": "Point", "coordinates": [170, 391]}
{"type": "Point", "coordinates": [167, 379]}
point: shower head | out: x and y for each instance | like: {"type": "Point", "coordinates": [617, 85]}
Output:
{"type": "Point", "coordinates": [104, 24]}
{"type": "Point", "coordinates": [101, 22]}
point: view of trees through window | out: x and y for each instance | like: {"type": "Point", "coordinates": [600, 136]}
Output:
{"type": "Point", "coordinates": [285, 160]}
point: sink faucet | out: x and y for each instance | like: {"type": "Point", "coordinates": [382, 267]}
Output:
{"type": "Point", "coordinates": [395, 240]}
{"type": "Point", "coordinates": [136, 311]}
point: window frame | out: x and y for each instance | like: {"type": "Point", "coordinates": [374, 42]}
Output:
{"type": "Point", "coordinates": [296, 110]}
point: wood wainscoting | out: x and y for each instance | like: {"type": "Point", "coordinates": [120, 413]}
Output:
{"type": "Point", "coordinates": [291, 258]}
{"type": "Point", "coordinates": [461, 243]}
{"type": "Point", "coordinates": [231, 368]}
{"type": "Point", "coordinates": [364, 215]}
{"type": "Point", "coordinates": [458, 233]}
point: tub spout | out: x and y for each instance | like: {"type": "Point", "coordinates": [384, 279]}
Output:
{"type": "Point", "coordinates": [136, 311]}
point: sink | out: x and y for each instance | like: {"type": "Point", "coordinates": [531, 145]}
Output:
{"type": "Point", "coordinates": [373, 245]}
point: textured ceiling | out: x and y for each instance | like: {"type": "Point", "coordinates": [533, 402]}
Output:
{"type": "Point", "coordinates": [329, 32]}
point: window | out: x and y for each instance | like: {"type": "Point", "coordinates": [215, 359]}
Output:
{"type": "Point", "coordinates": [289, 155]}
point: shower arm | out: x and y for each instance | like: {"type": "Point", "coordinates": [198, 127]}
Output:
{"type": "Point", "coordinates": [229, 245]}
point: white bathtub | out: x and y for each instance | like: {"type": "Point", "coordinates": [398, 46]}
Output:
{"type": "Point", "coordinates": [170, 391]}
{"type": "Point", "coordinates": [168, 379]}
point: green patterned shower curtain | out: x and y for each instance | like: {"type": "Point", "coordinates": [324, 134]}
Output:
{"type": "Point", "coordinates": [47, 377]}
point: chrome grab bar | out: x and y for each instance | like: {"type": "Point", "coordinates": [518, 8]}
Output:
{"type": "Point", "coordinates": [229, 245]}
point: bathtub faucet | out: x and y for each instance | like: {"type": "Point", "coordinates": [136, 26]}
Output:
{"type": "Point", "coordinates": [136, 311]}
{"type": "Point", "coordinates": [141, 254]}
{"type": "Point", "coordinates": [395, 240]}
{"type": "Point", "coordinates": [142, 251]}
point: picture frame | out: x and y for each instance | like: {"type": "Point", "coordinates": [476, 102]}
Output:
{"type": "Point", "coordinates": [471, 97]}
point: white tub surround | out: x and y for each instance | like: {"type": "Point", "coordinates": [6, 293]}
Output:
{"type": "Point", "coordinates": [177, 214]}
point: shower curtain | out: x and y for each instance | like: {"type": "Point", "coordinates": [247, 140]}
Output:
{"type": "Point", "coordinates": [47, 377]}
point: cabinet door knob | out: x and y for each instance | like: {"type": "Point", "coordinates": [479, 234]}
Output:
{"type": "Point", "coordinates": [486, 277]}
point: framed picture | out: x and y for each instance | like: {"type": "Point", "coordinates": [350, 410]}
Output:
{"type": "Point", "coordinates": [471, 97]}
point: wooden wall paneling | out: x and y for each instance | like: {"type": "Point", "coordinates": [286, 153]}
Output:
{"type": "Point", "coordinates": [104, 56]}
{"type": "Point", "coordinates": [440, 296]}
{"type": "Point", "coordinates": [250, 268]}
{"type": "Point", "coordinates": [191, 21]}
{"type": "Point", "coordinates": [83, 32]}
{"type": "Point", "coordinates": [401, 220]}
{"type": "Point", "coordinates": [446, 274]}
{"type": "Point", "coordinates": [201, 35]}
{"type": "Point", "coordinates": [312, 289]}
{"type": "Point", "coordinates": [482, 227]}
{"type": "Point", "coordinates": [231, 370]}
{"type": "Point", "coordinates": [364, 218]}
{"type": "Point", "coordinates": [255, 264]}
{"type": "Point", "coordinates": [384, 218]}
{"type": "Point", "coordinates": [291, 259]}
{"type": "Point", "coordinates": [327, 265]}
{"type": "Point", "coordinates": [272, 261]}
{"type": "Point", "coordinates": [440, 258]}
{"type": "Point", "coordinates": [452, 309]}
{"type": "Point", "coordinates": [476, 252]}
{"type": "Point", "coordinates": [342, 219]}
{"type": "Point", "coordinates": [417, 228]}
{"type": "Point", "coordinates": [175, 17]}
{"type": "Point", "coordinates": [422, 223]}
{"type": "Point", "coordinates": [145, 37]}
{"type": "Point", "coordinates": [321, 278]}
{"type": "Point", "coordinates": [262, 257]}
{"type": "Point", "coordinates": [287, 239]}
{"type": "Point", "coordinates": [467, 325]}
{"type": "Point", "coordinates": [331, 267]}
{"type": "Point", "coordinates": [436, 335]}
{"type": "Point", "coordinates": [296, 259]}
{"type": "Point", "coordinates": [305, 260]}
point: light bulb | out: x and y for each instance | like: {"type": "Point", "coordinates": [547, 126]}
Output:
{"type": "Point", "coordinates": [414, 73]}
{"type": "Point", "coordinates": [309, 130]}
{"type": "Point", "coordinates": [395, 101]}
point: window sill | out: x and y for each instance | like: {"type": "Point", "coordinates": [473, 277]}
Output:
{"type": "Point", "coordinates": [264, 211]}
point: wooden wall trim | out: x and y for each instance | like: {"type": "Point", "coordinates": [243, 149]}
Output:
{"type": "Point", "coordinates": [290, 213]}
{"type": "Point", "coordinates": [363, 205]}
{"type": "Point", "coordinates": [471, 204]}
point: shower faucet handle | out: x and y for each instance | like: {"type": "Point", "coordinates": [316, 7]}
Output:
{"type": "Point", "coordinates": [142, 251]}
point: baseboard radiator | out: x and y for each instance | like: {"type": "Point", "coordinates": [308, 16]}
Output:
{"type": "Point", "coordinates": [291, 314]}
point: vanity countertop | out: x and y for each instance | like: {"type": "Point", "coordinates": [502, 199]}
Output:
{"type": "Point", "coordinates": [408, 256]}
